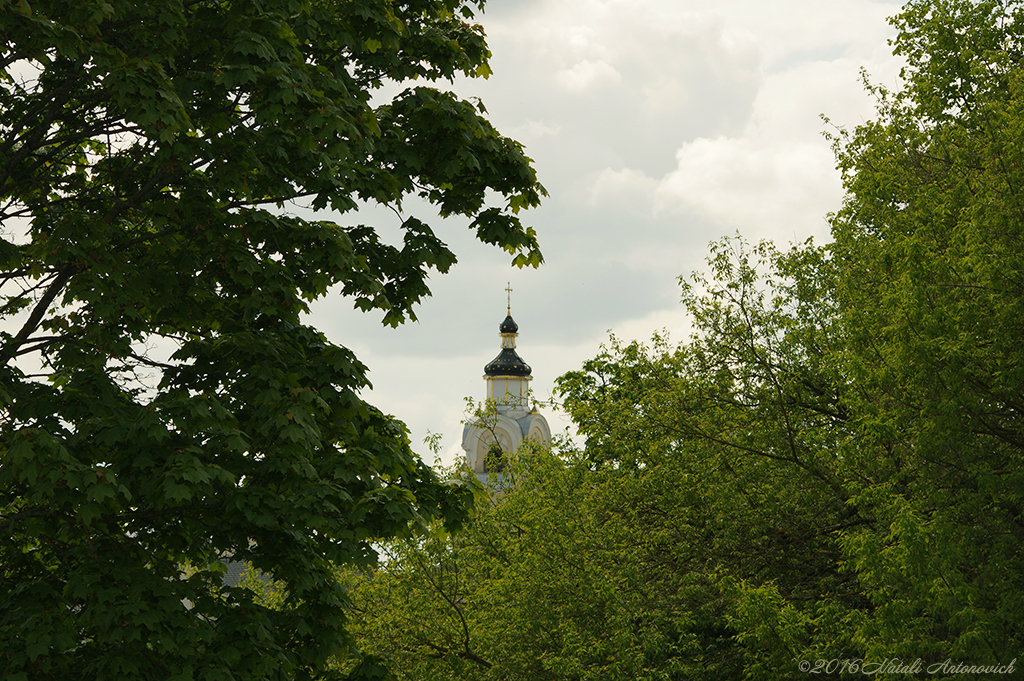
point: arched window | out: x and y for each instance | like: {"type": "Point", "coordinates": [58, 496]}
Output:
{"type": "Point", "coordinates": [496, 458]}
{"type": "Point", "coordinates": [493, 445]}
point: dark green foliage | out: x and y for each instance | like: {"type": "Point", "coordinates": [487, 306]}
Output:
{"type": "Point", "coordinates": [162, 406]}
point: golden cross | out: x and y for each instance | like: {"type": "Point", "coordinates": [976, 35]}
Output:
{"type": "Point", "coordinates": [509, 289]}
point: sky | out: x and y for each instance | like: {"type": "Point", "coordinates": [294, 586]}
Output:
{"type": "Point", "coordinates": [657, 126]}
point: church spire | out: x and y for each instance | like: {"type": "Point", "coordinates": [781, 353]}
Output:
{"type": "Point", "coordinates": [507, 378]}
{"type": "Point", "coordinates": [507, 375]}
{"type": "Point", "coordinates": [508, 363]}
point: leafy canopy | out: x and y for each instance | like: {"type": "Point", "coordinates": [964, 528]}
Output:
{"type": "Point", "coordinates": [163, 409]}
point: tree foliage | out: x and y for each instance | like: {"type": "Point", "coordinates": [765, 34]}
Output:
{"type": "Point", "coordinates": [534, 587]}
{"type": "Point", "coordinates": [930, 243]}
{"type": "Point", "coordinates": [163, 408]}
{"type": "Point", "coordinates": [830, 468]}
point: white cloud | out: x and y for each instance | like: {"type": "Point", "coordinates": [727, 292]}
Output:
{"type": "Point", "coordinates": [588, 75]}
{"type": "Point", "coordinates": [673, 322]}
{"type": "Point", "coordinates": [774, 191]}
{"type": "Point", "coordinates": [776, 177]}
{"type": "Point", "coordinates": [625, 187]}
{"type": "Point", "coordinates": [797, 30]}
{"type": "Point", "coordinates": [536, 129]}
{"type": "Point", "coordinates": [665, 55]}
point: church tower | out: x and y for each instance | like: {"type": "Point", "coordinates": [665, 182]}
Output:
{"type": "Point", "coordinates": [507, 378]}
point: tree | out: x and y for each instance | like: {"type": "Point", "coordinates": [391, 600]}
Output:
{"type": "Point", "coordinates": [729, 443]}
{"type": "Point", "coordinates": [164, 408]}
{"type": "Point", "coordinates": [929, 241]}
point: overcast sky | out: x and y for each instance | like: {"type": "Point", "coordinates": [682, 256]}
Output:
{"type": "Point", "coordinates": [656, 126]}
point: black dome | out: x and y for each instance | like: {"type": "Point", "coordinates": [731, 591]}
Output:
{"type": "Point", "coordinates": [508, 326]}
{"type": "Point", "coordinates": [508, 363]}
